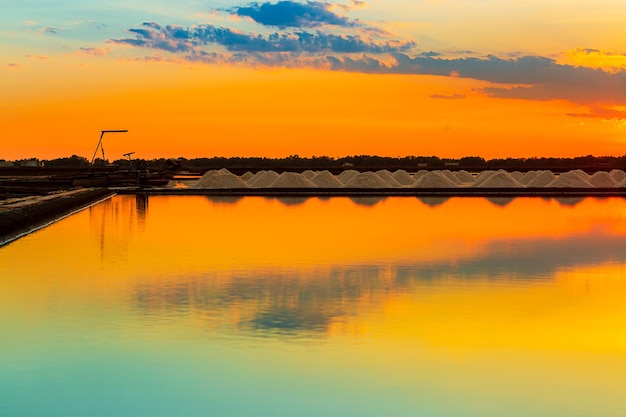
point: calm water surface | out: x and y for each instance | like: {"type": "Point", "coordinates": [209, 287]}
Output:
{"type": "Point", "coordinates": [192, 306]}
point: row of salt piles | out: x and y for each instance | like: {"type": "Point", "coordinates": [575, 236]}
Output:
{"type": "Point", "coordinates": [401, 179]}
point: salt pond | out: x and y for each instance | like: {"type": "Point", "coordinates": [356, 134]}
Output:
{"type": "Point", "coordinates": [192, 306]}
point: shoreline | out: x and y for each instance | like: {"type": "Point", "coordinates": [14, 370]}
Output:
{"type": "Point", "coordinates": [21, 216]}
{"type": "Point", "coordinates": [377, 192]}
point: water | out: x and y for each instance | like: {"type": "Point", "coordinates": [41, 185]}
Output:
{"type": "Point", "coordinates": [191, 306]}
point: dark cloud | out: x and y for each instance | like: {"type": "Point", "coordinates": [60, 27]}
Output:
{"type": "Point", "coordinates": [288, 13]}
{"type": "Point", "coordinates": [49, 30]}
{"type": "Point", "coordinates": [532, 77]}
{"type": "Point", "coordinates": [95, 51]}
{"type": "Point", "coordinates": [601, 113]}
{"type": "Point", "coordinates": [175, 38]}
{"type": "Point", "coordinates": [450, 97]}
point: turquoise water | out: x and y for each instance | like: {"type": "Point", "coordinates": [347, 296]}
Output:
{"type": "Point", "coordinates": [190, 306]}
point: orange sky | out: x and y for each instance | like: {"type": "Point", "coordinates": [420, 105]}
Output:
{"type": "Point", "coordinates": [61, 87]}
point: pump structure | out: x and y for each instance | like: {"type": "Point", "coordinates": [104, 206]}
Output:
{"type": "Point", "coordinates": [102, 132]}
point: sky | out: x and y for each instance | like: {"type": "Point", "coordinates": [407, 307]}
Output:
{"type": "Point", "coordinates": [450, 78]}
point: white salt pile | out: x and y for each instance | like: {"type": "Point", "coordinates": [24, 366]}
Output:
{"type": "Point", "coordinates": [542, 179]}
{"type": "Point", "coordinates": [464, 176]}
{"type": "Point", "coordinates": [262, 179]}
{"type": "Point", "coordinates": [292, 180]}
{"type": "Point", "coordinates": [324, 179]}
{"type": "Point", "coordinates": [346, 176]}
{"type": "Point", "coordinates": [386, 176]}
{"type": "Point", "coordinates": [422, 179]}
{"type": "Point", "coordinates": [528, 177]}
{"type": "Point", "coordinates": [433, 179]}
{"type": "Point", "coordinates": [450, 175]}
{"type": "Point", "coordinates": [570, 179]}
{"type": "Point", "coordinates": [581, 174]}
{"type": "Point", "coordinates": [499, 179]}
{"type": "Point", "coordinates": [618, 175]}
{"type": "Point", "coordinates": [419, 174]}
{"type": "Point", "coordinates": [220, 179]}
{"type": "Point", "coordinates": [402, 177]}
{"type": "Point", "coordinates": [366, 180]}
{"type": "Point", "coordinates": [602, 179]}
{"type": "Point", "coordinates": [247, 176]}
{"type": "Point", "coordinates": [482, 176]}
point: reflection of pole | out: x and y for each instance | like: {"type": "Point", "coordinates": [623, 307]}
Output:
{"type": "Point", "coordinates": [100, 143]}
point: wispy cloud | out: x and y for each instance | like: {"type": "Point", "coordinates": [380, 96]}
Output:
{"type": "Point", "coordinates": [39, 57]}
{"type": "Point", "coordinates": [49, 30]}
{"type": "Point", "coordinates": [11, 66]}
{"type": "Point", "coordinates": [448, 97]}
{"type": "Point", "coordinates": [173, 38]}
{"type": "Point", "coordinates": [607, 113]}
{"type": "Point", "coordinates": [95, 51]}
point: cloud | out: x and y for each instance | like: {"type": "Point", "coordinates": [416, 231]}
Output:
{"type": "Point", "coordinates": [173, 38]}
{"type": "Point", "coordinates": [40, 57]}
{"type": "Point", "coordinates": [529, 77]}
{"type": "Point", "coordinates": [606, 113]}
{"type": "Point", "coordinates": [448, 97]}
{"type": "Point", "coordinates": [289, 13]}
{"type": "Point", "coordinates": [95, 51]}
{"type": "Point", "coordinates": [49, 30]}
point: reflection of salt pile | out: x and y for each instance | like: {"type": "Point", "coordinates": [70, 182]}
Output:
{"type": "Point", "coordinates": [324, 179]}
{"type": "Point", "coordinates": [262, 179]}
{"type": "Point", "coordinates": [618, 175]}
{"type": "Point", "coordinates": [602, 179]}
{"type": "Point", "coordinates": [292, 180]}
{"type": "Point", "coordinates": [498, 179]}
{"type": "Point", "coordinates": [433, 201]}
{"type": "Point", "coordinates": [346, 176]}
{"type": "Point", "coordinates": [464, 176]}
{"type": "Point", "coordinates": [220, 179]}
{"type": "Point", "coordinates": [541, 179]}
{"type": "Point", "coordinates": [569, 201]}
{"type": "Point", "coordinates": [433, 179]}
{"type": "Point", "coordinates": [366, 180]}
{"type": "Point", "coordinates": [367, 201]}
{"type": "Point", "coordinates": [500, 201]}
{"type": "Point", "coordinates": [386, 176]}
{"type": "Point", "coordinates": [570, 179]}
{"type": "Point", "coordinates": [403, 177]}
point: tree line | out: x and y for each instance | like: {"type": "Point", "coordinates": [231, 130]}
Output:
{"type": "Point", "coordinates": [358, 162]}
